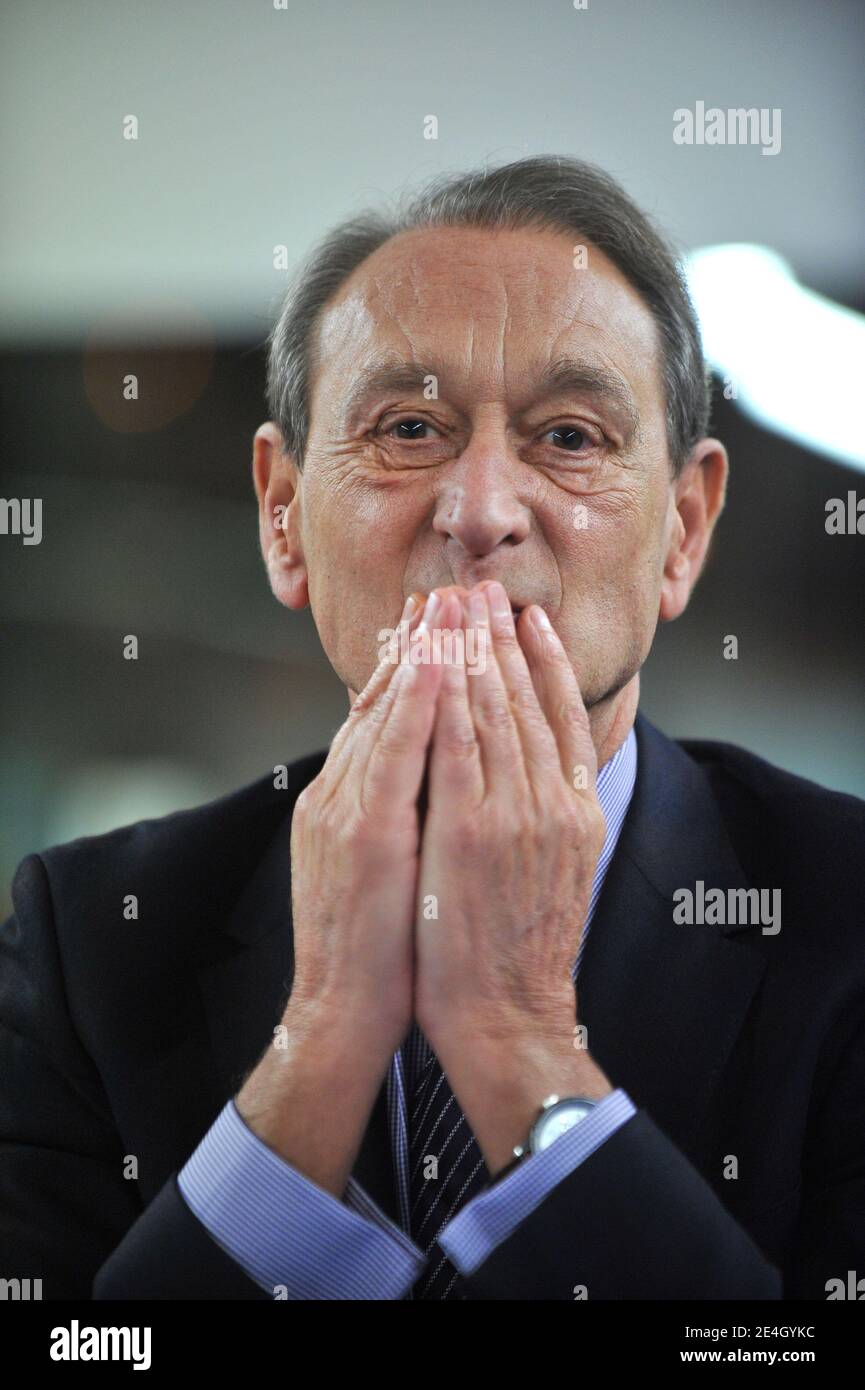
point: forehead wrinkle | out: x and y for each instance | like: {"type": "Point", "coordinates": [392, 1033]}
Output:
{"type": "Point", "coordinates": [439, 285]}
{"type": "Point", "coordinates": [374, 305]}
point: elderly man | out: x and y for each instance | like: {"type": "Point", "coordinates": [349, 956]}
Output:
{"type": "Point", "coordinates": [432, 1015]}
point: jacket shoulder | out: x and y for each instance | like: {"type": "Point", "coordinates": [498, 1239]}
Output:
{"type": "Point", "coordinates": [190, 864]}
{"type": "Point", "coordinates": [776, 814]}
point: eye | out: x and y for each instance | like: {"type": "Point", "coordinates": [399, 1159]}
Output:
{"type": "Point", "coordinates": [411, 428]}
{"type": "Point", "coordinates": [572, 438]}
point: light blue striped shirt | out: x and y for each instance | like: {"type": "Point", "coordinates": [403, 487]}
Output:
{"type": "Point", "coordinates": [297, 1241]}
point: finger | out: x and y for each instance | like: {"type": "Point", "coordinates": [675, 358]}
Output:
{"type": "Point", "coordinates": [455, 771]}
{"type": "Point", "coordinates": [350, 746]}
{"type": "Point", "coordinates": [538, 744]}
{"type": "Point", "coordinates": [560, 698]}
{"type": "Point", "coordinates": [379, 680]}
{"type": "Point", "coordinates": [400, 731]}
{"type": "Point", "coordinates": [501, 753]}
{"type": "Point", "coordinates": [392, 652]}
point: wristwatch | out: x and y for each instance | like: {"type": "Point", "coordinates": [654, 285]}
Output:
{"type": "Point", "coordinates": [555, 1117]}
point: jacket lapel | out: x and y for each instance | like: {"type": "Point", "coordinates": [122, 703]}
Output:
{"type": "Point", "coordinates": [663, 1003]}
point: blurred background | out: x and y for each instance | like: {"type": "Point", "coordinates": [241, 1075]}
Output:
{"type": "Point", "coordinates": [260, 125]}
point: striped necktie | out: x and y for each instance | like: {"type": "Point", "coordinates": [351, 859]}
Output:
{"type": "Point", "coordinates": [447, 1170]}
{"type": "Point", "coordinates": [435, 1124]}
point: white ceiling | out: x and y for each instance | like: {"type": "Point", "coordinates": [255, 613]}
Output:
{"type": "Point", "coordinates": [261, 126]}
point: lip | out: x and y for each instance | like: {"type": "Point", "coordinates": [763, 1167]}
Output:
{"type": "Point", "coordinates": [545, 608]}
{"type": "Point", "coordinates": [517, 605]}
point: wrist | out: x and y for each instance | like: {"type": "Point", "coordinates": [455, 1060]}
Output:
{"type": "Point", "coordinates": [548, 1019]}
{"type": "Point", "coordinates": [501, 1085]}
{"type": "Point", "coordinates": [339, 1023]}
{"type": "Point", "coordinates": [311, 1094]}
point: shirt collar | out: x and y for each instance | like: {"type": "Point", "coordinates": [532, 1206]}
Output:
{"type": "Point", "coordinates": [615, 786]}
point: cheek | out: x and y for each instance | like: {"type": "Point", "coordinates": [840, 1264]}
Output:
{"type": "Point", "coordinates": [337, 545]}
{"type": "Point", "coordinates": [612, 540]}
{"type": "Point", "coordinates": [357, 543]}
{"type": "Point", "coordinates": [361, 523]}
{"type": "Point", "coordinates": [614, 564]}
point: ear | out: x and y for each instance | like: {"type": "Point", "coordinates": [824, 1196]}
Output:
{"type": "Point", "coordinates": [697, 503]}
{"type": "Point", "coordinates": [277, 487]}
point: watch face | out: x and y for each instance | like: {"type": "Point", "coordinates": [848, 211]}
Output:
{"type": "Point", "coordinates": [557, 1120]}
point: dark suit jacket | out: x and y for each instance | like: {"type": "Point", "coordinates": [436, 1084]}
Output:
{"type": "Point", "coordinates": [122, 1038]}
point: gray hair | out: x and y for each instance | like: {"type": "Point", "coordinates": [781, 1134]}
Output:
{"type": "Point", "coordinates": [546, 192]}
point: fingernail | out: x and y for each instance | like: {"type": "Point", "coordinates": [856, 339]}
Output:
{"type": "Point", "coordinates": [408, 610]}
{"type": "Point", "coordinates": [433, 604]}
{"type": "Point", "coordinates": [478, 611]}
{"type": "Point", "coordinates": [540, 619]}
{"type": "Point", "coordinates": [500, 604]}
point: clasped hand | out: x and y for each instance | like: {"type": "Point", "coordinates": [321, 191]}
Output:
{"type": "Point", "coordinates": [466, 918]}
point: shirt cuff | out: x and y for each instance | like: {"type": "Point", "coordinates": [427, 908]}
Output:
{"type": "Point", "coordinates": [292, 1238]}
{"type": "Point", "coordinates": [487, 1220]}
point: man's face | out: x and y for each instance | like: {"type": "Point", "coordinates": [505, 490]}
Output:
{"type": "Point", "coordinates": [537, 456]}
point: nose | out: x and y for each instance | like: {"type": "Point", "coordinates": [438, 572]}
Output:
{"type": "Point", "coordinates": [478, 506]}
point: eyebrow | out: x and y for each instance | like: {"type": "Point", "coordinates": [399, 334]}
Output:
{"type": "Point", "coordinates": [584, 378]}
{"type": "Point", "coordinates": [565, 374]}
{"type": "Point", "coordinates": [387, 376]}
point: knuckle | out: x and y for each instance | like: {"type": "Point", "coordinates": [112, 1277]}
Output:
{"type": "Point", "coordinates": [358, 831]}
{"type": "Point", "coordinates": [592, 822]}
{"type": "Point", "coordinates": [327, 819]}
{"type": "Point", "coordinates": [525, 701]}
{"type": "Point", "coordinates": [562, 805]}
{"type": "Point", "coordinates": [464, 837]}
{"type": "Point", "coordinates": [460, 744]}
{"type": "Point", "coordinates": [305, 803]}
{"type": "Point", "coordinates": [496, 714]}
{"type": "Point", "coordinates": [395, 741]}
{"type": "Point", "coordinates": [572, 712]}
{"type": "Point", "coordinates": [507, 638]}
{"type": "Point", "coordinates": [504, 824]}
{"type": "Point", "coordinates": [379, 711]}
